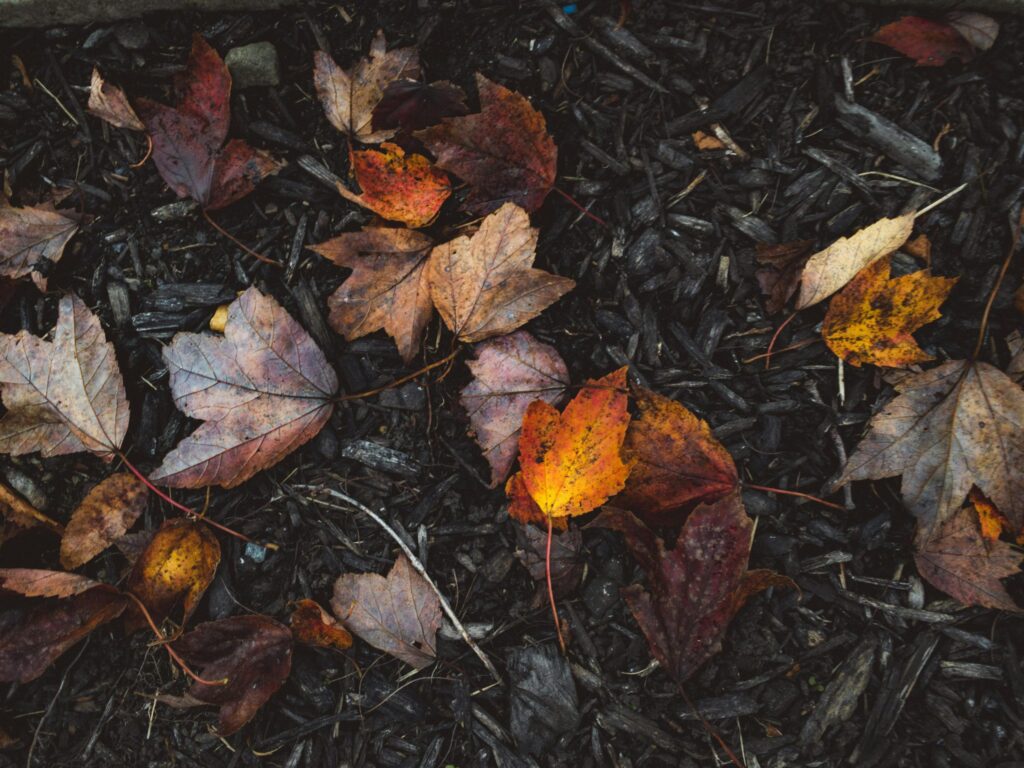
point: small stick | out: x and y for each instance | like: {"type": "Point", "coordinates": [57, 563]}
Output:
{"type": "Point", "coordinates": [1014, 242]}
{"type": "Point", "coordinates": [23, 508]}
{"type": "Point", "coordinates": [239, 243]}
{"type": "Point", "coordinates": [167, 646]}
{"type": "Point", "coordinates": [418, 566]}
{"type": "Point", "coordinates": [941, 200]}
{"type": "Point", "coordinates": [800, 494]}
{"type": "Point", "coordinates": [400, 381]}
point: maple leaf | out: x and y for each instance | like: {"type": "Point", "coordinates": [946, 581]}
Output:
{"type": "Point", "coordinates": [570, 462]}
{"type": "Point", "coordinates": [929, 43]}
{"type": "Point", "coordinates": [62, 396]}
{"type": "Point", "coordinates": [780, 276]}
{"type": "Point", "coordinates": [174, 569]}
{"type": "Point", "coordinates": [103, 516]}
{"type": "Point", "coordinates": [829, 270]}
{"type": "Point", "coordinates": [387, 288]}
{"type": "Point", "coordinates": [349, 97]}
{"type": "Point", "coordinates": [962, 563]}
{"type": "Point", "coordinates": [312, 625]}
{"type": "Point", "coordinates": [399, 615]}
{"type": "Point", "coordinates": [31, 239]}
{"type": "Point", "coordinates": [503, 152]}
{"type": "Point", "coordinates": [109, 104]}
{"type": "Point", "coordinates": [509, 373]}
{"type": "Point", "coordinates": [958, 424]}
{"type": "Point", "coordinates": [398, 187]}
{"type": "Point", "coordinates": [263, 389]}
{"type": "Point", "coordinates": [976, 28]}
{"type": "Point", "coordinates": [35, 582]}
{"type": "Point", "coordinates": [484, 285]}
{"type": "Point", "coordinates": [410, 105]}
{"type": "Point", "coordinates": [675, 460]}
{"type": "Point", "coordinates": [873, 318]}
{"type": "Point", "coordinates": [188, 140]}
{"type": "Point", "coordinates": [253, 654]}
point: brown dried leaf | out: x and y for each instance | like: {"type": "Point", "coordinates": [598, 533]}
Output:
{"type": "Point", "coordinates": [103, 516]}
{"type": "Point", "coordinates": [31, 237]}
{"type": "Point", "coordinates": [32, 582]}
{"type": "Point", "coordinates": [977, 29]}
{"type": "Point", "coordinates": [566, 558]}
{"type": "Point", "coordinates": [312, 625]}
{"type": "Point", "coordinates": [109, 103]}
{"type": "Point", "coordinates": [780, 275]}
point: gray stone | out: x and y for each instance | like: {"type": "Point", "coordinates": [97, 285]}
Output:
{"type": "Point", "coordinates": [253, 64]}
{"type": "Point", "coordinates": [44, 13]}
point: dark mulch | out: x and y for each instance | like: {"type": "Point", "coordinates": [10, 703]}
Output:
{"type": "Point", "coordinates": [851, 671]}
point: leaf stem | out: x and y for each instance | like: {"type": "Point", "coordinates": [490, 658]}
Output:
{"type": "Point", "coordinates": [551, 590]}
{"type": "Point", "coordinates": [710, 729]}
{"type": "Point", "coordinates": [775, 337]}
{"type": "Point", "coordinates": [580, 208]}
{"type": "Point", "coordinates": [800, 494]}
{"type": "Point", "coordinates": [239, 243]}
{"type": "Point", "coordinates": [1014, 242]}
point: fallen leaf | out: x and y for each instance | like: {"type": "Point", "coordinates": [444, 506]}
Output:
{"type": "Point", "coordinates": [1015, 369]}
{"type": "Point", "coordinates": [955, 425]}
{"type": "Point", "coordinates": [410, 105]}
{"type": "Point", "coordinates": [960, 562]}
{"type": "Point", "coordinates": [920, 248]}
{"type": "Point", "coordinates": [103, 516]}
{"type": "Point", "coordinates": [780, 276]}
{"type": "Point", "coordinates": [174, 570]}
{"type": "Point", "coordinates": [929, 43]}
{"type": "Point", "coordinates": [188, 140]}
{"type": "Point", "coordinates": [829, 270]}
{"type": "Point", "coordinates": [567, 561]}
{"type": "Point", "coordinates": [108, 103]}
{"type": "Point", "coordinates": [312, 625]}
{"type": "Point", "coordinates": [977, 29]}
{"type": "Point", "coordinates": [32, 582]}
{"type": "Point", "coordinates": [483, 285]}
{"type": "Point", "coordinates": [872, 320]}
{"type": "Point", "coordinates": [503, 152]}
{"type": "Point", "coordinates": [252, 653]}
{"type": "Point", "coordinates": [44, 632]}
{"type": "Point", "coordinates": [387, 288]}
{"type": "Point", "coordinates": [399, 615]}
{"type": "Point", "coordinates": [522, 507]}
{"type": "Point", "coordinates": [80, 407]}
{"type": "Point", "coordinates": [349, 97]}
{"type": "Point", "coordinates": [570, 462]}
{"type": "Point", "coordinates": [397, 186]}
{"type": "Point", "coordinates": [706, 142]}
{"type": "Point", "coordinates": [509, 373]}
{"type": "Point", "coordinates": [692, 589]}
{"type": "Point", "coordinates": [263, 389]}
{"type": "Point", "coordinates": [31, 239]}
{"type": "Point", "coordinates": [675, 460]}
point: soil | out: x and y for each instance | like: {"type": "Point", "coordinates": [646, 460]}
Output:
{"type": "Point", "coordinates": [864, 666]}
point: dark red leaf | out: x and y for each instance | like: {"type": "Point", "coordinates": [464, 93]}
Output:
{"type": "Point", "coordinates": [410, 105]}
{"type": "Point", "coordinates": [929, 43]}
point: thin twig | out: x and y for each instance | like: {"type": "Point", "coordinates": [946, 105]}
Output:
{"type": "Point", "coordinates": [239, 243]}
{"type": "Point", "coordinates": [941, 200]}
{"type": "Point", "coordinates": [167, 646]}
{"type": "Point", "coordinates": [1014, 242]}
{"type": "Point", "coordinates": [401, 380]}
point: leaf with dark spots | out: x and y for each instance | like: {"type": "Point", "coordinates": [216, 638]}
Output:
{"type": "Point", "coordinates": [410, 105]}
{"type": "Point", "coordinates": [398, 186]}
{"type": "Point", "coordinates": [33, 582]}
{"type": "Point", "coordinates": [31, 238]}
{"type": "Point", "coordinates": [103, 516]}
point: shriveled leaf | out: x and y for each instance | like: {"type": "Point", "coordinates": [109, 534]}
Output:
{"type": "Point", "coordinates": [956, 425]}
{"type": "Point", "coordinates": [188, 140]}
{"type": "Point", "coordinates": [397, 186]}
{"type": "Point", "coordinates": [399, 615]}
{"type": "Point", "coordinates": [174, 569]}
{"type": "Point", "coordinates": [692, 589]}
{"type": "Point", "coordinates": [109, 103]}
{"type": "Point", "coordinates": [31, 238]}
{"type": "Point", "coordinates": [410, 105]}
{"type": "Point", "coordinates": [503, 152]}
{"type": "Point", "coordinates": [32, 582]}
{"type": "Point", "coordinates": [706, 142]}
{"type": "Point", "coordinates": [62, 396]}
{"type": "Point", "coordinates": [780, 276]}
{"type": "Point", "coordinates": [509, 373]}
{"type": "Point", "coordinates": [676, 460]}
{"type": "Point", "coordinates": [929, 43]}
{"type": "Point", "coordinates": [252, 653]}
{"type": "Point", "coordinates": [263, 389]}
{"type": "Point", "coordinates": [567, 560]}
{"type": "Point", "coordinates": [829, 270]}
{"type": "Point", "coordinates": [977, 29]}
{"type": "Point", "coordinates": [484, 285]}
{"type": "Point", "coordinates": [387, 288]}
{"type": "Point", "coordinates": [960, 562]}
{"type": "Point", "coordinates": [103, 516]}
{"type": "Point", "coordinates": [872, 320]}
{"type": "Point", "coordinates": [350, 96]}
{"type": "Point", "coordinates": [570, 461]}
{"type": "Point", "coordinates": [29, 646]}
{"type": "Point", "coordinates": [312, 625]}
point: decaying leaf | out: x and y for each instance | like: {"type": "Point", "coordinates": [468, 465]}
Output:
{"type": "Point", "coordinates": [109, 103]}
{"type": "Point", "coordinates": [252, 653]}
{"type": "Point", "coordinates": [103, 516]}
{"type": "Point", "coordinates": [188, 140]}
{"type": "Point", "coordinates": [350, 96]}
{"type": "Point", "coordinates": [779, 277]}
{"type": "Point", "coordinates": [397, 186]}
{"type": "Point", "coordinates": [174, 569]}
{"type": "Point", "coordinates": [509, 373]}
{"type": "Point", "coordinates": [872, 320]}
{"type": "Point", "coordinates": [31, 238]}
{"type": "Point", "coordinates": [960, 562]}
{"type": "Point", "coordinates": [34, 582]}
{"type": "Point", "coordinates": [399, 614]}
{"type": "Point", "coordinates": [929, 43]}
{"type": "Point", "coordinates": [62, 396]}
{"type": "Point", "coordinates": [387, 288]}
{"type": "Point", "coordinates": [977, 29]}
{"type": "Point", "coordinates": [706, 142]}
{"type": "Point", "coordinates": [567, 560]}
{"type": "Point", "coordinates": [484, 285]}
{"type": "Point", "coordinates": [410, 105]}
{"type": "Point", "coordinates": [958, 424]}
{"type": "Point", "coordinates": [676, 460]}
{"type": "Point", "coordinates": [570, 462]}
{"type": "Point", "coordinates": [263, 389]}
{"type": "Point", "coordinates": [829, 270]}
{"type": "Point", "coordinates": [503, 152]}
{"type": "Point", "coordinates": [312, 625]}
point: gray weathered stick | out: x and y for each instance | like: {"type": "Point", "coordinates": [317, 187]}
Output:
{"type": "Point", "coordinates": [999, 6]}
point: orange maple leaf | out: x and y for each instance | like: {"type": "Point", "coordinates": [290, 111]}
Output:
{"type": "Point", "coordinates": [397, 186]}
